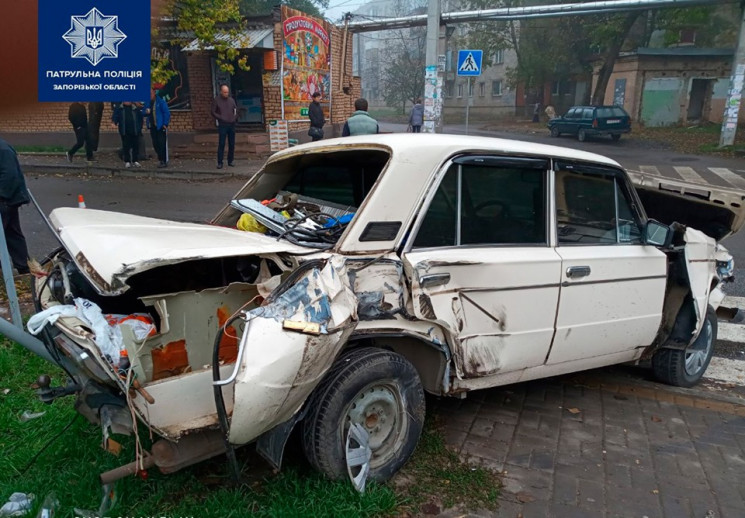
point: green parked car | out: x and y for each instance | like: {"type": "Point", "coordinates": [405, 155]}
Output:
{"type": "Point", "coordinates": [586, 121]}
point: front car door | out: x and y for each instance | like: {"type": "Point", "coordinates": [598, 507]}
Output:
{"type": "Point", "coordinates": [480, 263]}
{"type": "Point", "coordinates": [612, 285]}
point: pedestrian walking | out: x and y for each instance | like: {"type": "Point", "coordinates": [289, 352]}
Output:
{"type": "Point", "coordinates": [360, 123]}
{"type": "Point", "coordinates": [225, 112]}
{"type": "Point", "coordinates": [158, 117]}
{"type": "Point", "coordinates": [317, 120]}
{"type": "Point", "coordinates": [128, 118]}
{"type": "Point", "coordinates": [78, 117]}
{"type": "Point", "coordinates": [537, 112]}
{"type": "Point", "coordinates": [416, 118]}
{"type": "Point", "coordinates": [13, 194]}
{"type": "Point", "coordinates": [95, 114]}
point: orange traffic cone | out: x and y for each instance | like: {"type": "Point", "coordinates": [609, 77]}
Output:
{"type": "Point", "coordinates": [81, 201]}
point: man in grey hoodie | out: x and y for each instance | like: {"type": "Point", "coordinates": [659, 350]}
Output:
{"type": "Point", "coordinates": [416, 119]}
{"type": "Point", "coordinates": [225, 112]}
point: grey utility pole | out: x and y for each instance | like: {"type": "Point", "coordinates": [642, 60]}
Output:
{"type": "Point", "coordinates": [432, 73]}
{"type": "Point", "coordinates": [734, 95]}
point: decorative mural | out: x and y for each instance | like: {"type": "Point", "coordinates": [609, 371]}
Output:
{"type": "Point", "coordinates": [306, 63]}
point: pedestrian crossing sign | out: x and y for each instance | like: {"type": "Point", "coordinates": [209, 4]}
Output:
{"type": "Point", "coordinates": [469, 62]}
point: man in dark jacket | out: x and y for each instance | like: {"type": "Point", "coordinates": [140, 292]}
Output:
{"type": "Point", "coordinates": [315, 113]}
{"type": "Point", "coordinates": [225, 112]}
{"type": "Point", "coordinates": [360, 123]}
{"type": "Point", "coordinates": [158, 118]}
{"type": "Point", "coordinates": [13, 194]}
{"type": "Point", "coordinates": [128, 118]}
{"type": "Point", "coordinates": [78, 117]}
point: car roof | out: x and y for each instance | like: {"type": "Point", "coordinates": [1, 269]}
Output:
{"type": "Point", "coordinates": [427, 149]}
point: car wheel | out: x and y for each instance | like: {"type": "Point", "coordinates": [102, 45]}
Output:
{"type": "Point", "coordinates": [365, 418]}
{"type": "Point", "coordinates": [581, 135]}
{"type": "Point", "coordinates": [616, 137]}
{"type": "Point", "coordinates": [555, 131]}
{"type": "Point", "coordinates": [684, 368]}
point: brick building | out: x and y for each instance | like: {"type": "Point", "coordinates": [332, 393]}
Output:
{"type": "Point", "coordinates": [258, 91]}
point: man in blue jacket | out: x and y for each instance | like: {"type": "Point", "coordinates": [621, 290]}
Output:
{"type": "Point", "coordinates": [158, 117]}
{"type": "Point", "coordinates": [13, 194]}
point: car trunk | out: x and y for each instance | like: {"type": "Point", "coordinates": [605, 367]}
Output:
{"type": "Point", "coordinates": [719, 212]}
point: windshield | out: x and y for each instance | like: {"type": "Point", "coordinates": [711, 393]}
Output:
{"type": "Point", "coordinates": [307, 199]}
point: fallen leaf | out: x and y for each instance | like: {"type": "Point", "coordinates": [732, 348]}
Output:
{"type": "Point", "coordinates": [574, 410]}
{"type": "Point", "coordinates": [656, 419]}
{"type": "Point", "coordinates": [524, 497]}
{"type": "Point", "coordinates": [655, 491]}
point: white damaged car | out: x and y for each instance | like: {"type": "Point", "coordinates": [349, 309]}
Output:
{"type": "Point", "coordinates": [350, 276]}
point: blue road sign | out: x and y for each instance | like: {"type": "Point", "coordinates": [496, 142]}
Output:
{"type": "Point", "coordinates": [469, 62]}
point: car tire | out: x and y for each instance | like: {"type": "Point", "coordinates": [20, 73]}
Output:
{"type": "Point", "coordinates": [377, 389]}
{"type": "Point", "coordinates": [616, 137]}
{"type": "Point", "coordinates": [581, 135]}
{"type": "Point", "coordinates": [685, 367]}
{"type": "Point", "coordinates": [555, 131]}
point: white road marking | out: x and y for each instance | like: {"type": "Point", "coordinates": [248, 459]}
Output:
{"type": "Point", "coordinates": [731, 332]}
{"type": "Point", "coordinates": [734, 302]}
{"type": "Point", "coordinates": [728, 176]}
{"type": "Point", "coordinates": [689, 174]}
{"type": "Point", "coordinates": [729, 371]}
{"type": "Point", "coordinates": [650, 169]}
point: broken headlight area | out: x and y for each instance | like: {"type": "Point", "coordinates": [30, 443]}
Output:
{"type": "Point", "coordinates": [726, 269]}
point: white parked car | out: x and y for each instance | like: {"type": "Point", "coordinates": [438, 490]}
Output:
{"type": "Point", "coordinates": [350, 276]}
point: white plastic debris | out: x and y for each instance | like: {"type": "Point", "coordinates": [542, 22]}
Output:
{"type": "Point", "coordinates": [28, 416]}
{"type": "Point", "coordinates": [17, 505]}
{"type": "Point", "coordinates": [108, 337]}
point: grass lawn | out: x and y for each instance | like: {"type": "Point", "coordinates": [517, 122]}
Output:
{"type": "Point", "coordinates": [74, 458]}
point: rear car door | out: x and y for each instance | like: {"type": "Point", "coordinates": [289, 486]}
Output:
{"type": "Point", "coordinates": [612, 285]}
{"type": "Point", "coordinates": [480, 264]}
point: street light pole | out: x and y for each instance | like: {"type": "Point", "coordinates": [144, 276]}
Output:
{"type": "Point", "coordinates": [432, 74]}
{"type": "Point", "coordinates": [734, 95]}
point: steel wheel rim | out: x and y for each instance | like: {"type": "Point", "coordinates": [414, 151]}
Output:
{"type": "Point", "coordinates": [378, 410]}
{"type": "Point", "coordinates": [698, 352]}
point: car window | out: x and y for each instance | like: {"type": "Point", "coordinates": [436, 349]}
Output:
{"type": "Point", "coordinates": [587, 113]}
{"type": "Point", "coordinates": [611, 111]}
{"type": "Point", "coordinates": [593, 208]}
{"type": "Point", "coordinates": [484, 204]}
{"type": "Point", "coordinates": [570, 114]}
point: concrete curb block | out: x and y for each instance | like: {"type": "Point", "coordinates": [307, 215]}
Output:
{"type": "Point", "coordinates": [111, 171]}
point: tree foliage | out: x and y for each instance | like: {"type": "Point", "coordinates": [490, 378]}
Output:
{"type": "Point", "coordinates": [403, 77]}
{"type": "Point", "coordinates": [263, 7]}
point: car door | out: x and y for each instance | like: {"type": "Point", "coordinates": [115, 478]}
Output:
{"type": "Point", "coordinates": [612, 285]}
{"type": "Point", "coordinates": [480, 264]}
{"type": "Point", "coordinates": [568, 123]}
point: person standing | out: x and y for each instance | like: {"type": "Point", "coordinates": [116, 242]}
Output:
{"type": "Point", "coordinates": [225, 112]}
{"type": "Point", "coordinates": [317, 120]}
{"type": "Point", "coordinates": [128, 118]}
{"type": "Point", "coordinates": [416, 119]}
{"type": "Point", "coordinates": [158, 118]}
{"type": "Point", "coordinates": [78, 117]}
{"type": "Point", "coordinates": [95, 114]}
{"type": "Point", "coordinates": [360, 123]}
{"type": "Point", "coordinates": [13, 194]}
{"type": "Point", "coordinates": [537, 112]}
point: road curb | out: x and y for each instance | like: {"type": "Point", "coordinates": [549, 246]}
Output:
{"type": "Point", "coordinates": [145, 172]}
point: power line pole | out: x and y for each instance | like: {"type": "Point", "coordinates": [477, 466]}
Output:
{"type": "Point", "coordinates": [432, 73]}
{"type": "Point", "coordinates": [734, 95]}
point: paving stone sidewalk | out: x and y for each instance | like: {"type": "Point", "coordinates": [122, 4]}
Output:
{"type": "Point", "coordinates": [603, 445]}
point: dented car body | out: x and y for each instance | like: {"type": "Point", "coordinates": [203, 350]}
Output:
{"type": "Point", "coordinates": [370, 270]}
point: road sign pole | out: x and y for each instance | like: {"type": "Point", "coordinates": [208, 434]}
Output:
{"type": "Point", "coordinates": [468, 101]}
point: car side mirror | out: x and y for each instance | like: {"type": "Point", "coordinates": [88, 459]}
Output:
{"type": "Point", "coordinates": [657, 234]}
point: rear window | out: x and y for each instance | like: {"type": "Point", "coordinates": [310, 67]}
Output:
{"type": "Point", "coordinates": [611, 111]}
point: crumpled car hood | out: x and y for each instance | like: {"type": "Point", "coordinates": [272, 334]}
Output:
{"type": "Point", "coordinates": [111, 247]}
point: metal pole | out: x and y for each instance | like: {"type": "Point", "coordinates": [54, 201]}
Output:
{"type": "Point", "coordinates": [734, 96]}
{"type": "Point", "coordinates": [432, 101]}
{"type": "Point", "coordinates": [10, 286]}
{"type": "Point", "coordinates": [468, 101]}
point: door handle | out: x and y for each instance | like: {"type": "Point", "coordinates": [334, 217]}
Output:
{"type": "Point", "coordinates": [574, 272]}
{"type": "Point", "coordinates": [434, 279]}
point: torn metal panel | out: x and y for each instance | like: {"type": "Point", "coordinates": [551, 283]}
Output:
{"type": "Point", "coordinates": [111, 247]}
{"type": "Point", "coordinates": [701, 265]}
{"type": "Point", "coordinates": [380, 286]}
{"type": "Point", "coordinates": [280, 367]}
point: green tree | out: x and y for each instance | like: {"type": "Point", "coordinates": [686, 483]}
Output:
{"type": "Point", "coordinates": [403, 77]}
{"type": "Point", "coordinates": [263, 7]}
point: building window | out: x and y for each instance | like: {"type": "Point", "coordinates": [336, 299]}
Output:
{"type": "Point", "coordinates": [556, 88]}
{"type": "Point", "coordinates": [470, 89]}
{"type": "Point", "coordinates": [498, 57]}
{"type": "Point", "coordinates": [496, 88]}
{"type": "Point", "coordinates": [460, 90]}
{"type": "Point", "coordinates": [482, 89]}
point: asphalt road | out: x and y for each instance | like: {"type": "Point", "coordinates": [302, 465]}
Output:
{"type": "Point", "coordinates": [200, 201]}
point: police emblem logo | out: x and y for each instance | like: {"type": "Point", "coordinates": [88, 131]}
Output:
{"type": "Point", "coordinates": [94, 36]}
